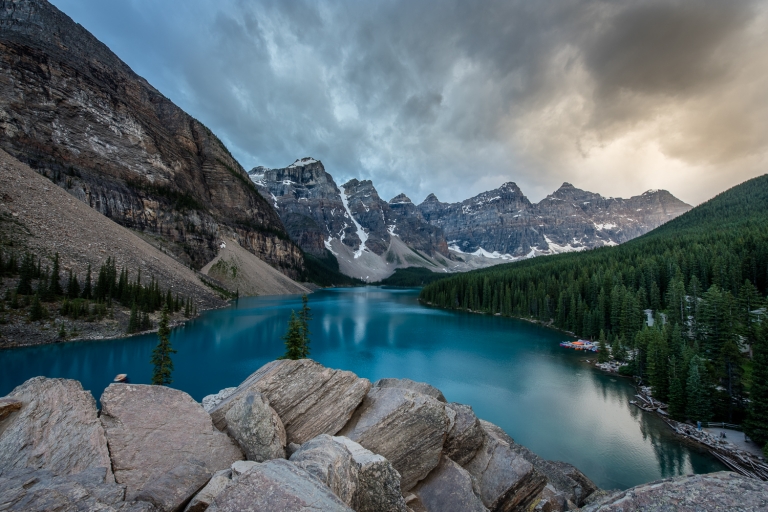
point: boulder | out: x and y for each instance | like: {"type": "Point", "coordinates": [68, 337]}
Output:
{"type": "Point", "coordinates": [241, 467]}
{"type": "Point", "coordinates": [700, 493]}
{"type": "Point", "coordinates": [211, 401]}
{"type": "Point", "coordinates": [466, 434]}
{"type": "Point", "coordinates": [331, 463]}
{"type": "Point", "coordinates": [448, 488]}
{"type": "Point", "coordinates": [552, 500]}
{"type": "Point", "coordinates": [378, 485]}
{"type": "Point", "coordinates": [586, 486]}
{"type": "Point", "coordinates": [309, 398]}
{"type": "Point", "coordinates": [7, 406]}
{"type": "Point", "coordinates": [40, 490]}
{"type": "Point", "coordinates": [406, 427]}
{"type": "Point", "coordinates": [277, 485]}
{"type": "Point", "coordinates": [565, 478]}
{"type": "Point", "coordinates": [256, 427]}
{"type": "Point", "coordinates": [202, 500]}
{"type": "Point", "coordinates": [164, 447]}
{"type": "Point", "coordinates": [505, 480]}
{"type": "Point", "coordinates": [55, 428]}
{"type": "Point", "coordinates": [419, 387]}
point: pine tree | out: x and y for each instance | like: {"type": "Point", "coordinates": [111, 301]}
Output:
{"type": "Point", "coordinates": [294, 344]}
{"type": "Point", "coordinates": [55, 283]}
{"type": "Point", "coordinates": [698, 406]}
{"type": "Point", "coordinates": [676, 393]}
{"type": "Point", "coordinates": [657, 364]}
{"type": "Point", "coordinates": [133, 320]}
{"type": "Point", "coordinates": [305, 316]}
{"type": "Point", "coordinates": [602, 348]}
{"type": "Point", "coordinates": [87, 291]}
{"type": "Point", "coordinates": [26, 273]}
{"type": "Point", "coordinates": [756, 425]}
{"type": "Point", "coordinates": [161, 355]}
{"type": "Point", "coordinates": [73, 287]}
{"type": "Point", "coordinates": [36, 312]}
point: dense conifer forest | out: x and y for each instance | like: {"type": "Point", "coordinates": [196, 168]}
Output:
{"type": "Point", "coordinates": [704, 278]}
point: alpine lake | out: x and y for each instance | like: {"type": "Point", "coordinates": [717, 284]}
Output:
{"type": "Point", "coordinates": [513, 373]}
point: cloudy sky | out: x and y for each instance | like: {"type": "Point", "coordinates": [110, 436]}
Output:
{"type": "Point", "coordinates": [457, 97]}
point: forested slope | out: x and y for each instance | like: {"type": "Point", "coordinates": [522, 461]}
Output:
{"type": "Point", "coordinates": [707, 271]}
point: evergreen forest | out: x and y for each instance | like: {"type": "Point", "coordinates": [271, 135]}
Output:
{"type": "Point", "coordinates": [682, 306]}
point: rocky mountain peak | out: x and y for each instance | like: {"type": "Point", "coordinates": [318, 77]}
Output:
{"type": "Point", "coordinates": [308, 160]}
{"type": "Point", "coordinates": [431, 198]}
{"type": "Point", "coordinates": [400, 198]}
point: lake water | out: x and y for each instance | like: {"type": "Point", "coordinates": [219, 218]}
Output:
{"type": "Point", "coordinates": [511, 372]}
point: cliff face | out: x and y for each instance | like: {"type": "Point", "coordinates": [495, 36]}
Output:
{"type": "Point", "coordinates": [316, 212]}
{"type": "Point", "coordinates": [74, 111]}
{"type": "Point", "coordinates": [506, 222]}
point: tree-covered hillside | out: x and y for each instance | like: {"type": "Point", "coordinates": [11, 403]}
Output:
{"type": "Point", "coordinates": [706, 271]}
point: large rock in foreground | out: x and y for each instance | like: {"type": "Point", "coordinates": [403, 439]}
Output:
{"type": "Point", "coordinates": [277, 485]}
{"type": "Point", "coordinates": [419, 387]}
{"type": "Point", "coordinates": [466, 435]}
{"type": "Point", "coordinates": [331, 463]}
{"type": "Point", "coordinates": [506, 481]}
{"type": "Point", "coordinates": [55, 428]}
{"type": "Point", "coordinates": [256, 427]}
{"type": "Point", "coordinates": [164, 447]}
{"type": "Point", "coordinates": [406, 427]}
{"type": "Point", "coordinates": [378, 485]}
{"type": "Point", "coordinates": [39, 490]}
{"type": "Point", "coordinates": [309, 398]}
{"type": "Point", "coordinates": [696, 493]}
{"type": "Point", "coordinates": [448, 488]}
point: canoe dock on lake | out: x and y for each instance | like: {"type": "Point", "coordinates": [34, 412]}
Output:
{"type": "Point", "coordinates": [580, 345]}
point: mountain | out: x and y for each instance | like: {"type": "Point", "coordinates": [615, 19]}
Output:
{"type": "Point", "coordinates": [73, 111]}
{"type": "Point", "coordinates": [368, 236]}
{"type": "Point", "coordinates": [503, 223]}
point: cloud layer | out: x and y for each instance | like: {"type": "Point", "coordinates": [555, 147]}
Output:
{"type": "Point", "coordinates": [456, 97]}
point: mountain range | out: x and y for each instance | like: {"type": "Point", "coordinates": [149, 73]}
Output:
{"type": "Point", "coordinates": [371, 237]}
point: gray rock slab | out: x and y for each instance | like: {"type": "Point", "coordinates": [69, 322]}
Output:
{"type": "Point", "coordinates": [419, 387]}
{"type": "Point", "coordinates": [552, 500]}
{"type": "Point", "coordinates": [564, 477]}
{"type": "Point", "coordinates": [211, 401]}
{"type": "Point", "coordinates": [505, 480]}
{"type": "Point", "coordinates": [241, 467]}
{"type": "Point", "coordinates": [465, 436]}
{"type": "Point", "coordinates": [378, 486]}
{"type": "Point", "coordinates": [277, 485]}
{"type": "Point", "coordinates": [40, 490]}
{"type": "Point", "coordinates": [309, 398]}
{"type": "Point", "coordinates": [202, 500]}
{"type": "Point", "coordinates": [331, 463]}
{"type": "Point", "coordinates": [448, 488]}
{"type": "Point", "coordinates": [56, 428]}
{"type": "Point", "coordinates": [256, 427]}
{"type": "Point", "coordinates": [406, 427]}
{"type": "Point", "coordinates": [163, 444]}
{"type": "Point", "coordinates": [695, 493]}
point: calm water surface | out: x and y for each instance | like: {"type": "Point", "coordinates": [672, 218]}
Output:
{"type": "Point", "coordinates": [511, 372]}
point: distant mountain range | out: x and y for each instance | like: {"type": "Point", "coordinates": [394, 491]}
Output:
{"type": "Point", "coordinates": [371, 237]}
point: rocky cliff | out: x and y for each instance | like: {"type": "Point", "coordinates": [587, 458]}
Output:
{"type": "Point", "coordinates": [369, 237]}
{"type": "Point", "coordinates": [504, 224]}
{"type": "Point", "coordinates": [313, 438]}
{"type": "Point", "coordinates": [72, 110]}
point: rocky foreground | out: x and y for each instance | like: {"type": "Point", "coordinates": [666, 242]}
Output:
{"type": "Point", "coordinates": [297, 436]}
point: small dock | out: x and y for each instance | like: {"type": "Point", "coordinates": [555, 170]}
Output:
{"type": "Point", "coordinates": [580, 345]}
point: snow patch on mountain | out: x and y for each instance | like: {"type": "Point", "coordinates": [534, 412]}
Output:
{"type": "Point", "coordinates": [361, 234]}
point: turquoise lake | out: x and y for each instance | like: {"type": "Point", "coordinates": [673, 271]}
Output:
{"type": "Point", "coordinates": [511, 372]}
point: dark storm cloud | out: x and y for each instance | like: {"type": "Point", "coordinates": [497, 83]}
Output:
{"type": "Point", "coordinates": [456, 97]}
